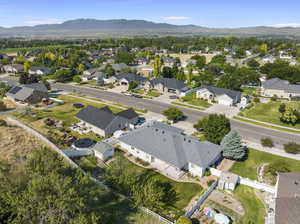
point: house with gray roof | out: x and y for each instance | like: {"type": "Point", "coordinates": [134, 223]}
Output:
{"type": "Point", "coordinates": [220, 95]}
{"type": "Point", "coordinates": [39, 70]}
{"type": "Point", "coordinates": [166, 85]}
{"type": "Point", "coordinates": [280, 88]}
{"type": "Point", "coordinates": [28, 94]}
{"type": "Point", "coordinates": [13, 68]}
{"type": "Point", "coordinates": [169, 150]}
{"type": "Point", "coordinates": [287, 198]}
{"type": "Point", "coordinates": [126, 78]}
{"type": "Point", "coordinates": [104, 122]}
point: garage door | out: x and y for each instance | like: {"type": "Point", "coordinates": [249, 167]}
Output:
{"type": "Point", "coordinates": [225, 102]}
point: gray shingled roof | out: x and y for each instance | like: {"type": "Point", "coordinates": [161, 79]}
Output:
{"type": "Point", "coordinates": [170, 83]}
{"type": "Point", "coordinates": [37, 86]}
{"type": "Point", "coordinates": [95, 116]}
{"type": "Point", "coordinates": [131, 77]}
{"type": "Point", "coordinates": [129, 114]}
{"type": "Point", "coordinates": [171, 145]}
{"type": "Point", "coordinates": [20, 93]}
{"type": "Point", "coordinates": [288, 199]}
{"type": "Point", "coordinates": [280, 84]}
{"type": "Point", "coordinates": [221, 91]}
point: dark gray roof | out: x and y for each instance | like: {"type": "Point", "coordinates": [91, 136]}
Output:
{"type": "Point", "coordinates": [119, 67]}
{"type": "Point", "coordinates": [131, 77]}
{"type": "Point", "coordinates": [280, 84]}
{"type": "Point", "coordinates": [129, 114]}
{"type": "Point", "coordinates": [288, 199]}
{"type": "Point", "coordinates": [170, 83]}
{"type": "Point", "coordinates": [171, 145]}
{"type": "Point", "coordinates": [20, 93]}
{"type": "Point", "coordinates": [100, 118]}
{"type": "Point", "coordinates": [221, 91]}
{"type": "Point", "coordinates": [37, 86]}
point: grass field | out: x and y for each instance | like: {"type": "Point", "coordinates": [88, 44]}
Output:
{"type": "Point", "coordinates": [253, 206]}
{"type": "Point", "coordinates": [191, 99]}
{"type": "Point", "coordinates": [185, 191]}
{"type": "Point", "coordinates": [256, 158]}
{"type": "Point", "coordinates": [267, 112]}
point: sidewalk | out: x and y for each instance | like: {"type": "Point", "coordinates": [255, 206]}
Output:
{"type": "Point", "coordinates": [274, 151]}
{"type": "Point", "coordinates": [269, 124]}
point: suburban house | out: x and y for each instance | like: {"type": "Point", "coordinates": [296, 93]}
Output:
{"type": "Point", "coordinates": [119, 67]}
{"type": "Point", "coordinates": [35, 70]}
{"type": "Point", "coordinates": [220, 95]}
{"type": "Point", "coordinates": [280, 88]}
{"type": "Point", "coordinates": [28, 94]}
{"type": "Point", "coordinates": [13, 69]}
{"type": "Point", "coordinates": [269, 59]}
{"type": "Point", "coordinates": [90, 74]}
{"type": "Point", "coordinates": [169, 150]}
{"type": "Point", "coordinates": [168, 61]}
{"type": "Point", "coordinates": [126, 78]}
{"type": "Point", "coordinates": [287, 198]}
{"type": "Point", "coordinates": [228, 181]}
{"type": "Point", "coordinates": [104, 122]}
{"type": "Point", "coordinates": [141, 61]}
{"type": "Point", "coordinates": [166, 85]}
{"type": "Point", "coordinates": [103, 150]}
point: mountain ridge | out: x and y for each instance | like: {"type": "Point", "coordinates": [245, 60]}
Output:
{"type": "Point", "coordinates": [125, 27]}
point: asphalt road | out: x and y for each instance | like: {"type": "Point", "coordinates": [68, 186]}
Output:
{"type": "Point", "coordinates": [248, 132]}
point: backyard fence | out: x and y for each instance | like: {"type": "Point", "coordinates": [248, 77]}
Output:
{"type": "Point", "coordinates": [257, 185]}
{"type": "Point", "coordinates": [160, 218]}
{"type": "Point", "coordinates": [73, 164]}
{"type": "Point", "coordinates": [200, 201]}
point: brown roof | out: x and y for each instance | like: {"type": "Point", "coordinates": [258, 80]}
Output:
{"type": "Point", "coordinates": [287, 208]}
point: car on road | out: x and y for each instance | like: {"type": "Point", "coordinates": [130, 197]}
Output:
{"type": "Point", "coordinates": [137, 96]}
{"type": "Point", "coordinates": [127, 94]}
{"type": "Point", "coordinates": [78, 105]}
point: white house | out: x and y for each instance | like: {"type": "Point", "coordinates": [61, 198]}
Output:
{"type": "Point", "coordinates": [35, 70]}
{"type": "Point", "coordinates": [221, 96]}
{"type": "Point", "coordinates": [103, 150]}
{"type": "Point", "coordinates": [169, 150]}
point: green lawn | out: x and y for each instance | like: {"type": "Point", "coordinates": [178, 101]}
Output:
{"type": "Point", "coordinates": [267, 112]}
{"type": "Point", "coordinates": [249, 167]}
{"type": "Point", "coordinates": [153, 93]}
{"type": "Point", "coordinates": [253, 206]}
{"type": "Point", "coordinates": [191, 99]}
{"type": "Point", "coordinates": [185, 191]}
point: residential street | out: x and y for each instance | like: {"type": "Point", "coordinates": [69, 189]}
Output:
{"type": "Point", "coordinates": [249, 132]}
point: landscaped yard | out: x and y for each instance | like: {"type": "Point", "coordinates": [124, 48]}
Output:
{"type": "Point", "coordinates": [153, 93]}
{"type": "Point", "coordinates": [249, 90]}
{"type": "Point", "coordinates": [191, 99]}
{"type": "Point", "coordinates": [256, 158]}
{"type": "Point", "coordinates": [253, 206]}
{"type": "Point", "coordinates": [185, 191]}
{"type": "Point", "coordinates": [267, 112]}
{"type": "Point", "coordinates": [64, 113]}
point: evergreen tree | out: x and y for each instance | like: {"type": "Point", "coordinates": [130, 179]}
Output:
{"type": "Point", "coordinates": [180, 75]}
{"type": "Point", "coordinates": [232, 146]}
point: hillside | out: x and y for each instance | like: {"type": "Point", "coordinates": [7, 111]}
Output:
{"type": "Point", "coordinates": [92, 28]}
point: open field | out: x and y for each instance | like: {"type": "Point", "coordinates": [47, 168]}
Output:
{"type": "Point", "coordinates": [256, 158]}
{"type": "Point", "coordinates": [267, 112]}
{"type": "Point", "coordinates": [16, 144]}
{"type": "Point", "coordinates": [13, 51]}
{"type": "Point", "coordinates": [184, 57]}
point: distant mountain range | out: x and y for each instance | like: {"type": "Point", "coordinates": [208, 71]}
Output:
{"type": "Point", "coordinates": [92, 28]}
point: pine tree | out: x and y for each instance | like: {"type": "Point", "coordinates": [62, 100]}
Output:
{"type": "Point", "coordinates": [232, 146]}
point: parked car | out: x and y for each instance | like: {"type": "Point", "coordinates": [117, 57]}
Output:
{"type": "Point", "coordinates": [137, 96]}
{"type": "Point", "coordinates": [141, 120]}
{"type": "Point", "coordinates": [173, 97]}
{"type": "Point", "coordinates": [78, 105]}
{"type": "Point", "coordinates": [127, 94]}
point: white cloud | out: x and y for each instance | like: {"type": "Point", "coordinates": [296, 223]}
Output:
{"type": "Point", "coordinates": [34, 22]}
{"type": "Point", "coordinates": [287, 25]}
{"type": "Point", "coordinates": [175, 18]}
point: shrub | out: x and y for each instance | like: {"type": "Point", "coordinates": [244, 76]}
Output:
{"type": "Point", "coordinates": [209, 183]}
{"type": "Point", "coordinates": [77, 79]}
{"type": "Point", "coordinates": [3, 122]}
{"type": "Point", "coordinates": [184, 220]}
{"type": "Point", "coordinates": [267, 142]}
{"type": "Point", "coordinates": [256, 100]}
{"type": "Point", "coordinates": [207, 172]}
{"type": "Point", "coordinates": [277, 166]}
{"type": "Point", "coordinates": [292, 147]}
{"type": "Point", "coordinates": [282, 108]}
{"type": "Point", "coordinates": [2, 105]}
{"type": "Point", "coordinates": [274, 98]}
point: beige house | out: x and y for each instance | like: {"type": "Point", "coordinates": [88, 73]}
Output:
{"type": "Point", "coordinates": [280, 88]}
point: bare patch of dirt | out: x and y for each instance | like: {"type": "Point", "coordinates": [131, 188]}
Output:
{"type": "Point", "coordinates": [16, 144]}
{"type": "Point", "coordinates": [225, 165]}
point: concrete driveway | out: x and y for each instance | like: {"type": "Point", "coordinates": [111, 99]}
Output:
{"type": "Point", "coordinates": [228, 111]}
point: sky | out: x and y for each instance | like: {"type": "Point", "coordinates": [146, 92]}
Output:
{"type": "Point", "coordinates": [209, 13]}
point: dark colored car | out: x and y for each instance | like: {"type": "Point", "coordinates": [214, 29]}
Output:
{"type": "Point", "coordinates": [78, 105]}
{"type": "Point", "coordinates": [173, 97]}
